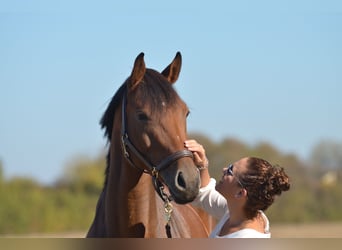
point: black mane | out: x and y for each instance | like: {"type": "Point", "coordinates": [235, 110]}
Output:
{"type": "Point", "coordinates": [107, 119]}
{"type": "Point", "coordinates": [154, 89]}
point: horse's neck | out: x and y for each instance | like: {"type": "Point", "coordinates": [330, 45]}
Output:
{"type": "Point", "coordinates": [130, 207]}
{"type": "Point", "coordinates": [133, 208]}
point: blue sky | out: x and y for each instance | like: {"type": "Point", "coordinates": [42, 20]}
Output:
{"type": "Point", "coordinates": [252, 70]}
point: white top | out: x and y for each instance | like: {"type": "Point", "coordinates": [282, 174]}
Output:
{"type": "Point", "coordinates": [216, 205]}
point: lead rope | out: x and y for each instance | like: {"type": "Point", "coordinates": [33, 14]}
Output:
{"type": "Point", "coordinates": [168, 208]}
{"type": "Point", "coordinates": [168, 211]}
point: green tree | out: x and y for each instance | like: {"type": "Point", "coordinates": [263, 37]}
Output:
{"type": "Point", "coordinates": [327, 154]}
{"type": "Point", "coordinates": [84, 175]}
{"type": "Point", "coordinates": [1, 173]}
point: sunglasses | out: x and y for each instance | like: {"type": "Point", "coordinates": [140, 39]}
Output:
{"type": "Point", "coordinates": [229, 171]}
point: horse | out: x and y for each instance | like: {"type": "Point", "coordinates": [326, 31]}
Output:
{"type": "Point", "coordinates": [150, 178]}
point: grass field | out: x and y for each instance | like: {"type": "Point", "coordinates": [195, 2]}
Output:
{"type": "Point", "coordinates": [314, 230]}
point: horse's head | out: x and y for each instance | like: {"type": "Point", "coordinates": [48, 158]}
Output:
{"type": "Point", "coordinates": [154, 129]}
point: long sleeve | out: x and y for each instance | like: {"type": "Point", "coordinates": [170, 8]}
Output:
{"type": "Point", "coordinates": [211, 201]}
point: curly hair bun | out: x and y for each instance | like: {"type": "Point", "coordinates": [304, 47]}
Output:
{"type": "Point", "coordinates": [264, 182]}
{"type": "Point", "coordinates": [279, 180]}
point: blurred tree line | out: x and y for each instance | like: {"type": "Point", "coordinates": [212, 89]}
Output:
{"type": "Point", "coordinates": [69, 203]}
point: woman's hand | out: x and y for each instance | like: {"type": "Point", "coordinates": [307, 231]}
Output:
{"type": "Point", "coordinates": [198, 150]}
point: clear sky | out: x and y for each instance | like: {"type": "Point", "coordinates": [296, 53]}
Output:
{"type": "Point", "coordinates": [253, 70]}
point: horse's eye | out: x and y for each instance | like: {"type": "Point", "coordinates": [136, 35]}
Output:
{"type": "Point", "coordinates": [188, 113]}
{"type": "Point", "coordinates": [142, 116]}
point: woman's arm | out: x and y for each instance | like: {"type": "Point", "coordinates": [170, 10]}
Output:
{"type": "Point", "coordinates": [200, 160]}
{"type": "Point", "coordinates": [208, 198]}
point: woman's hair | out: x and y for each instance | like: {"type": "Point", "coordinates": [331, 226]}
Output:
{"type": "Point", "coordinates": [263, 183]}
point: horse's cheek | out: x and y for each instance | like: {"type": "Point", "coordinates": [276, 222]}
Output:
{"type": "Point", "coordinates": [147, 140]}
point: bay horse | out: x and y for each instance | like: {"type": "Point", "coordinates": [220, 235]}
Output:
{"type": "Point", "coordinates": [147, 165]}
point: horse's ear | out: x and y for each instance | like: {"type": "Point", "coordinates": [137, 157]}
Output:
{"type": "Point", "coordinates": [172, 71]}
{"type": "Point", "coordinates": [138, 71]}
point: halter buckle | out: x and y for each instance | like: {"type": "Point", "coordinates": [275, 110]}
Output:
{"type": "Point", "coordinates": [168, 208]}
{"type": "Point", "coordinates": [123, 144]}
{"type": "Point", "coordinates": [155, 172]}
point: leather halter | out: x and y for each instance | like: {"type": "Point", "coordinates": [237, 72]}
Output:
{"type": "Point", "coordinates": [151, 169]}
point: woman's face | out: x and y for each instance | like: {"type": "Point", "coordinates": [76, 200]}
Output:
{"type": "Point", "coordinates": [230, 183]}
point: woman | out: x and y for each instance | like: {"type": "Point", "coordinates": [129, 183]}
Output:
{"type": "Point", "coordinates": [247, 188]}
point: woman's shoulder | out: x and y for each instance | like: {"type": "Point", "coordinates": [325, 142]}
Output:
{"type": "Point", "coordinates": [249, 233]}
{"type": "Point", "coordinates": [246, 233]}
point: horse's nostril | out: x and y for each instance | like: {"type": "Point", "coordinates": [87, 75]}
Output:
{"type": "Point", "coordinates": [180, 180]}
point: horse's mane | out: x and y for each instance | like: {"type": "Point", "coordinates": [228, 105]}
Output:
{"type": "Point", "coordinates": [154, 89]}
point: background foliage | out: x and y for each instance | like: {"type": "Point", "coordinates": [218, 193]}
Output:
{"type": "Point", "coordinates": [69, 203]}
